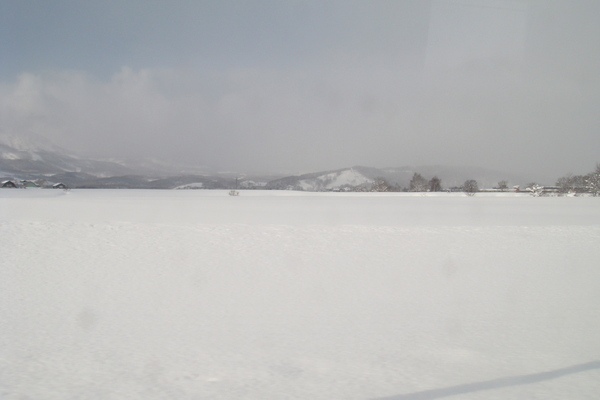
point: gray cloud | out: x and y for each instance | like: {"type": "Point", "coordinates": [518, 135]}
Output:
{"type": "Point", "coordinates": [488, 83]}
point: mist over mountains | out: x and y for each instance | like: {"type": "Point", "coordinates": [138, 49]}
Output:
{"type": "Point", "coordinates": [33, 157]}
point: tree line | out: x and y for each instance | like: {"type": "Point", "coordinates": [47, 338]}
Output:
{"type": "Point", "coordinates": [418, 183]}
{"type": "Point", "coordinates": [570, 184]}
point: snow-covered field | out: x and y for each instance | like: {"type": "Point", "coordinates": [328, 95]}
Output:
{"type": "Point", "coordinates": [127, 294]}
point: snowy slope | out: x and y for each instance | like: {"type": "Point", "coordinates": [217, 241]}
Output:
{"type": "Point", "coordinates": [32, 155]}
{"type": "Point", "coordinates": [134, 294]}
{"type": "Point", "coordinates": [332, 180]}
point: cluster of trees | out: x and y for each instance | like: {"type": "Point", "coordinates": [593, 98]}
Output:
{"type": "Point", "coordinates": [589, 183]}
{"type": "Point", "coordinates": [418, 183]}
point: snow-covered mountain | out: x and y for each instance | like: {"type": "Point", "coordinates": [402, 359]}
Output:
{"type": "Point", "coordinates": [324, 180]}
{"type": "Point", "coordinates": [32, 155]}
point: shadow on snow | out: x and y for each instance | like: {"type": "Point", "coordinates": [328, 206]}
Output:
{"type": "Point", "coordinates": [494, 383]}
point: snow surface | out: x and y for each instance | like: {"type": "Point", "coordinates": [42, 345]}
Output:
{"type": "Point", "coordinates": [133, 294]}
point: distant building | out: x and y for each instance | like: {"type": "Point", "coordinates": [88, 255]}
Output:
{"type": "Point", "coordinates": [59, 185]}
{"type": "Point", "coordinates": [9, 184]}
{"type": "Point", "coordinates": [29, 184]}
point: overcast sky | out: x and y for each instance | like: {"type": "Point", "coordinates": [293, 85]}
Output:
{"type": "Point", "coordinates": [299, 86]}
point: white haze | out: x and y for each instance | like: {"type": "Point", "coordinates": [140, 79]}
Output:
{"type": "Point", "coordinates": [509, 85]}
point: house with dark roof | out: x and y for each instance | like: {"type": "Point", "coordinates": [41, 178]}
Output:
{"type": "Point", "coordinates": [60, 185]}
{"type": "Point", "coordinates": [9, 184]}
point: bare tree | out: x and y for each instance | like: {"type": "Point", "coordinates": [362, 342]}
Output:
{"type": "Point", "coordinates": [503, 186]}
{"type": "Point", "coordinates": [418, 183]}
{"type": "Point", "coordinates": [470, 187]}
{"type": "Point", "coordinates": [381, 185]}
{"type": "Point", "coordinates": [571, 184]}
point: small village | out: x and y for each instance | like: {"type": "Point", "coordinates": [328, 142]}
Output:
{"type": "Point", "coordinates": [36, 184]}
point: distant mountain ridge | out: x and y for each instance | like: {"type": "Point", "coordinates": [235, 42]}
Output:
{"type": "Point", "coordinates": [34, 157]}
